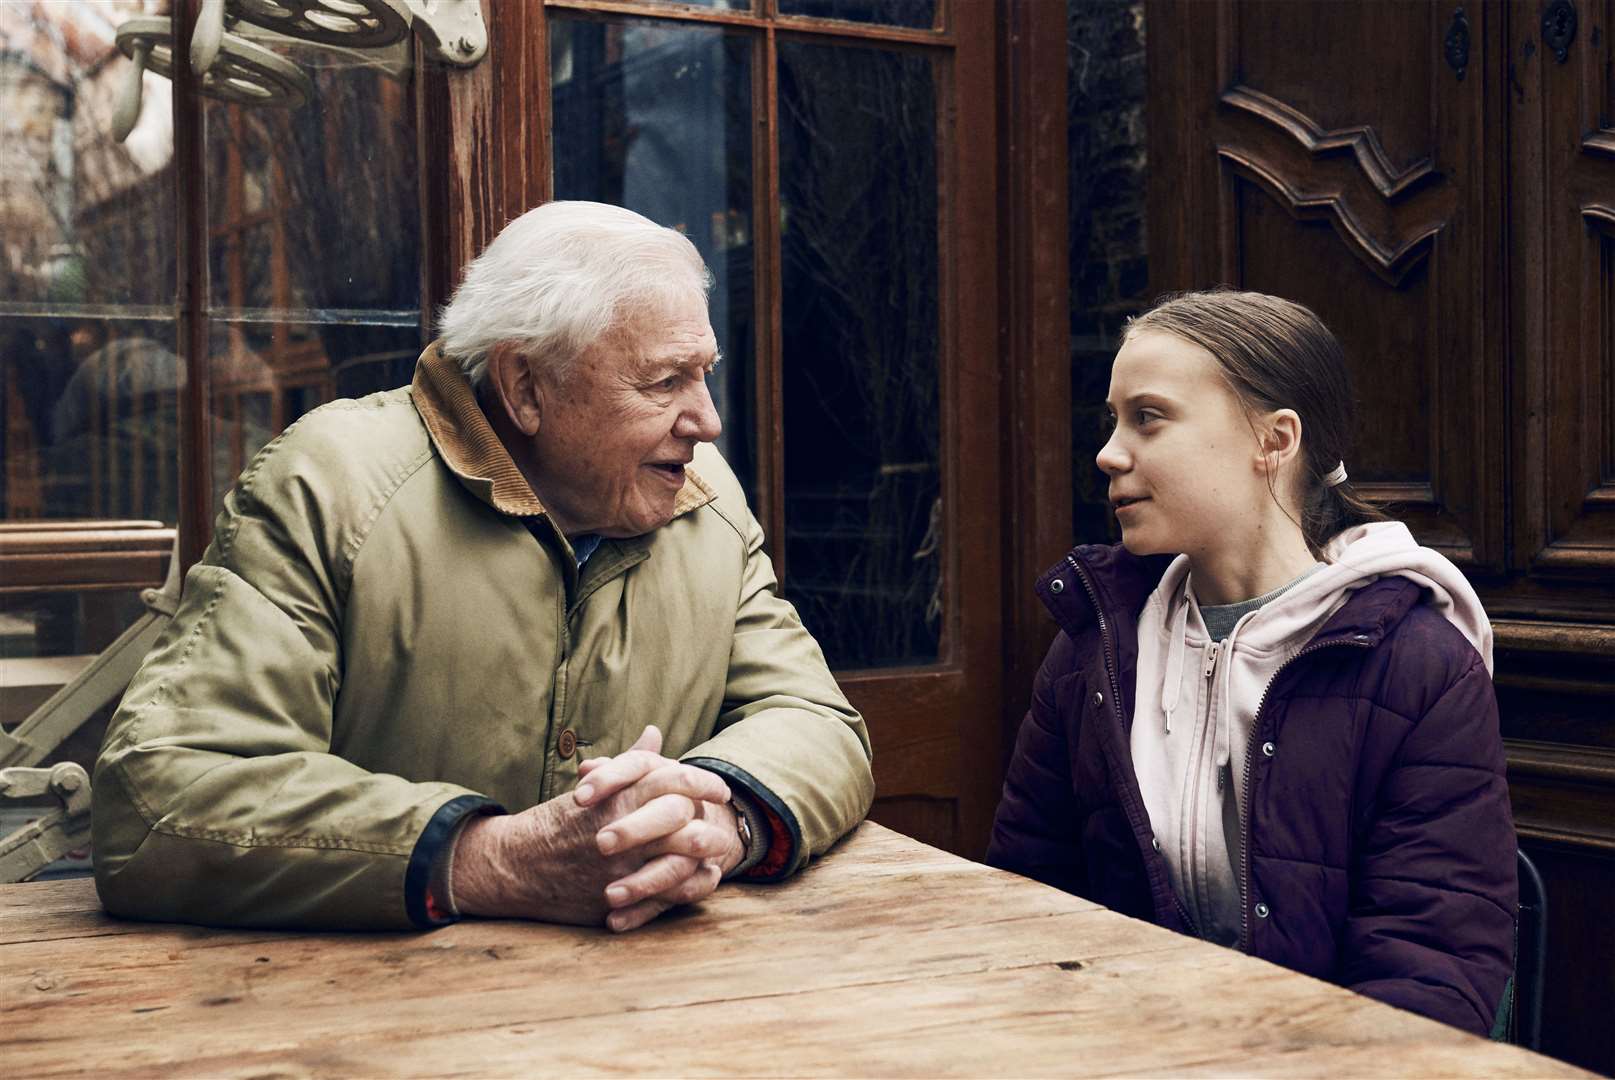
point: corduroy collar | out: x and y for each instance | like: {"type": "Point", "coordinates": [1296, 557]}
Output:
{"type": "Point", "coordinates": [472, 451]}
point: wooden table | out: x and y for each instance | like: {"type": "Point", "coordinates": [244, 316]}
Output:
{"type": "Point", "coordinates": [885, 958]}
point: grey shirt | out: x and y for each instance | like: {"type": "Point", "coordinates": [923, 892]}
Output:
{"type": "Point", "coordinates": [1221, 618]}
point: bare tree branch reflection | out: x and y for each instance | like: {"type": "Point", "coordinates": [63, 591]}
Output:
{"type": "Point", "coordinates": [858, 194]}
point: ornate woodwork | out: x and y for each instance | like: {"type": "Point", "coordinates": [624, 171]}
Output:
{"type": "Point", "coordinates": [1437, 181]}
{"type": "Point", "coordinates": [1358, 190]}
{"type": "Point", "coordinates": [1567, 526]}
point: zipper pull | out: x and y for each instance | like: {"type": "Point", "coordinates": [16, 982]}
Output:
{"type": "Point", "coordinates": [1211, 658]}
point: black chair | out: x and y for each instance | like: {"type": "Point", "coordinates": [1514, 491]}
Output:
{"type": "Point", "coordinates": [1530, 956]}
{"type": "Point", "coordinates": [1519, 1017]}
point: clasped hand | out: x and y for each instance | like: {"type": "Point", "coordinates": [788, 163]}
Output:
{"type": "Point", "coordinates": [640, 834]}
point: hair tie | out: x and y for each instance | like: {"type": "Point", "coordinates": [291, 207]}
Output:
{"type": "Point", "coordinates": [1337, 475]}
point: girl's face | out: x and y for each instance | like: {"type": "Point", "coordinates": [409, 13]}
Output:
{"type": "Point", "coordinates": [1183, 461]}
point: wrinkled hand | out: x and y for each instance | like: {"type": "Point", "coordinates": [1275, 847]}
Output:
{"type": "Point", "coordinates": [669, 880]}
{"type": "Point", "coordinates": [640, 835]}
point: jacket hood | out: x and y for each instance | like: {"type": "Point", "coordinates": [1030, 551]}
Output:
{"type": "Point", "coordinates": [1364, 554]}
{"type": "Point", "coordinates": [1354, 560]}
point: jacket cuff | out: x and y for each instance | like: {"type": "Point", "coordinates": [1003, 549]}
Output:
{"type": "Point", "coordinates": [758, 828]}
{"type": "Point", "coordinates": [423, 911]}
{"type": "Point", "coordinates": [783, 834]}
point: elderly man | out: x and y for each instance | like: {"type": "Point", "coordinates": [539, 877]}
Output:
{"type": "Point", "coordinates": [503, 642]}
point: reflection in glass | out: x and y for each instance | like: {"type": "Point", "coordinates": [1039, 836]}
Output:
{"type": "Point", "coordinates": [910, 13]}
{"type": "Point", "coordinates": [89, 381]}
{"type": "Point", "coordinates": [715, 5]}
{"type": "Point", "coordinates": [858, 219]}
{"type": "Point", "coordinates": [657, 118]}
{"type": "Point", "coordinates": [314, 252]}
{"type": "Point", "coordinates": [88, 377]}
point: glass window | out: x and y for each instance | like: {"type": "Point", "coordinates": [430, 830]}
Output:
{"type": "Point", "coordinates": [656, 117]}
{"type": "Point", "coordinates": [1106, 234]}
{"type": "Point", "coordinates": [89, 380]}
{"type": "Point", "coordinates": [314, 247]}
{"type": "Point", "coordinates": [913, 13]}
{"type": "Point", "coordinates": [860, 329]}
{"type": "Point", "coordinates": [88, 376]}
{"type": "Point", "coordinates": [713, 5]}
{"type": "Point", "coordinates": [313, 258]}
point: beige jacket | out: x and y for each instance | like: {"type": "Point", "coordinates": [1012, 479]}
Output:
{"type": "Point", "coordinates": [375, 633]}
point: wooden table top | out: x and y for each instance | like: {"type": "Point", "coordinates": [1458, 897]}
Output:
{"type": "Point", "coordinates": [885, 958]}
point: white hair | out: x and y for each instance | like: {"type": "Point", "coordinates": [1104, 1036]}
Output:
{"type": "Point", "coordinates": [558, 278]}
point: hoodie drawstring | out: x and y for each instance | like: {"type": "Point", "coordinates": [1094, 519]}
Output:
{"type": "Point", "coordinates": [1175, 650]}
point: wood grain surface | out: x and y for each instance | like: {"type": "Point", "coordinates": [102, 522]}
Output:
{"type": "Point", "coordinates": [885, 958]}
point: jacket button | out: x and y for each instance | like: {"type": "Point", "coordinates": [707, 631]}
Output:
{"type": "Point", "coordinates": [1269, 749]}
{"type": "Point", "coordinates": [1261, 911]}
{"type": "Point", "coordinates": [1057, 586]}
{"type": "Point", "coordinates": [567, 744]}
{"type": "Point", "coordinates": [1155, 842]}
{"type": "Point", "coordinates": [1098, 699]}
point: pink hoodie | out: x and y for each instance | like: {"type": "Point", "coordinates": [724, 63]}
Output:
{"type": "Point", "coordinates": [1196, 699]}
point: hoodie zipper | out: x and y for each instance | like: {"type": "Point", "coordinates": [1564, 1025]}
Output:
{"type": "Point", "coordinates": [1250, 756]}
{"type": "Point", "coordinates": [1116, 695]}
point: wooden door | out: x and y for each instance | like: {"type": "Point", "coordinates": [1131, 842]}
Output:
{"type": "Point", "coordinates": [1437, 180]}
{"type": "Point", "coordinates": [1556, 681]}
{"type": "Point", "coordinates": [1332, 154]}
{"type": "Point", "coordinates": [1562, 212]}
{"type": "Point", "coordinates": [827, 157]}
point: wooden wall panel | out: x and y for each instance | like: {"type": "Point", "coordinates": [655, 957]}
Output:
{"type": "Point", "coordinates": [1315, 65]}
{"type": "Point", "coordinates": [1034, 332]}
{"type": "Point", "coordinates": [1306, 261]}
{"type": "Point", "coordinates": [1573, 527]}
{"type": "Point", "coordinates": [1381, 179]}
{"type": "Point", "coordinates": [1579, 991]}
{"type": "Point", "coordinates": [1556, 661]}
{"type": "Point", "coordinates": [1438, 182]}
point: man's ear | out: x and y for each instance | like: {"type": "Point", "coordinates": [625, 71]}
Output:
{"type": "Point", "coordinates": [515, 389]}
{"type": "Point", "coordinates": [1278, 440]}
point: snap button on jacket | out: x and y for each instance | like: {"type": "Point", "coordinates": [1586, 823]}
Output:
{"type": "Point", "coordinates": [375, 631]}
{"type": "Point", "coordinates": [1381, 845]}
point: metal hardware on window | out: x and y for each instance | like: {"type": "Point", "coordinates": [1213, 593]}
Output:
{"type": "Point", "coordinates": [1455, 46]}
{"type": "Point", "coordinates": [231, 60]}
{"type": "Point", "coordinates": [1559, 28]}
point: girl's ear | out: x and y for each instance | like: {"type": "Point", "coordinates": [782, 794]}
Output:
{"type": "Point", "coordinates": [510, 376]}
{"type": "Point", "coordinates": [1279, 441]}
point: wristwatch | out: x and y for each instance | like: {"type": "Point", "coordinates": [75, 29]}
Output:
{"type": "Point", "coordinates": [743, 827]}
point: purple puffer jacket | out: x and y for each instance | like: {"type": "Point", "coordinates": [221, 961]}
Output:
{"type": "Point", "coordinates": [1380, 847]}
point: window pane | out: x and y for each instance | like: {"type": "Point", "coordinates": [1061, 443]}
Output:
{"type": "Point", "coordinates": [89, 380]}
{"type": "Point", "coordinates": [314, 248]}
{"type": "Point", "coordinates": [657, 118]}
{"type": "Point", "coordinates": [913, 13]}
{"type": "Point", "coordinates": [858, 220]}
{"type": "Point", "coordinates": [1106, 230]}
{"type": "Point", "coordinates": [715, 5]}
{"type": "Point", "coordinates": [88, 376]}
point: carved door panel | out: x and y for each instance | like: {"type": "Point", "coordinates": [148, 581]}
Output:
{"type": "Point", "coordinates": [1332, 154]}
{"type": "Point", "coordinates": [1563, 211]}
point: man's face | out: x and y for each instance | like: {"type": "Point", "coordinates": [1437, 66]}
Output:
{"type": "Point", "coordinates": [615, 434]}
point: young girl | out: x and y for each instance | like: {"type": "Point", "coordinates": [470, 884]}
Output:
{"type": "Point", "coordinates": [1269, 719]}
